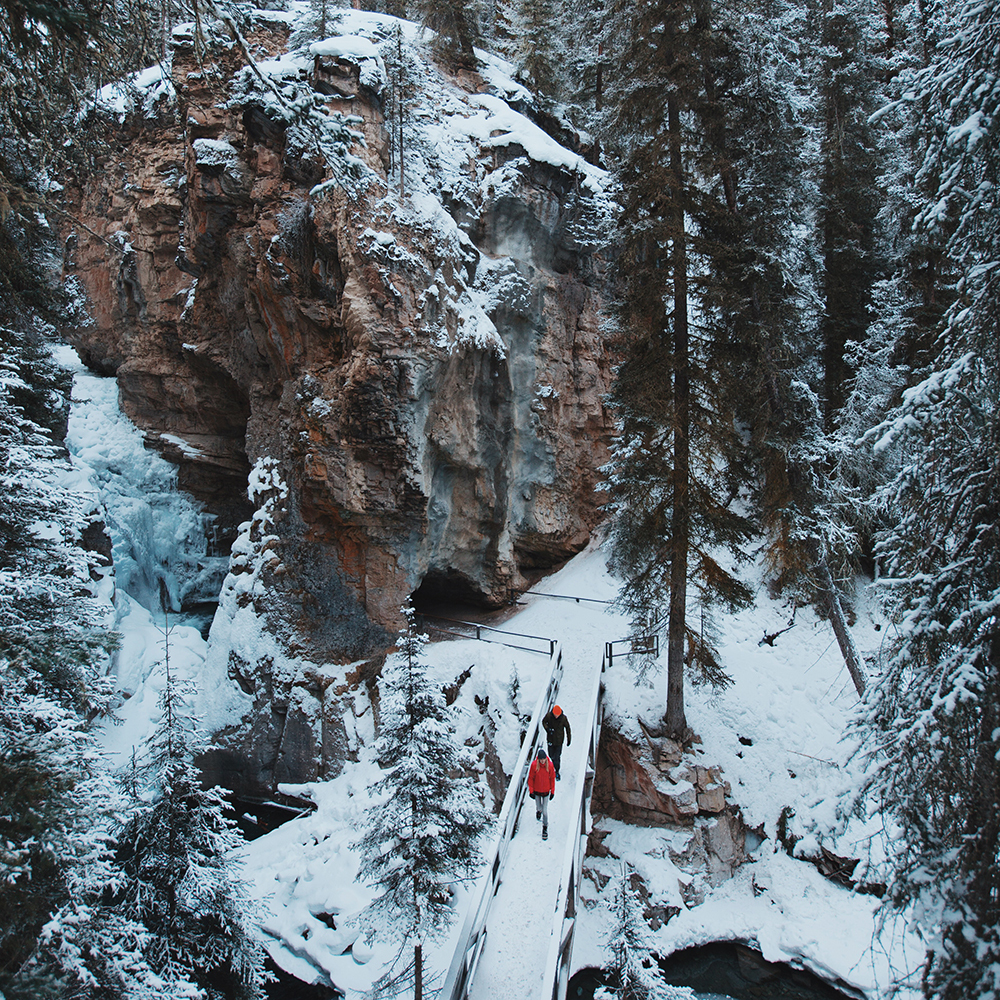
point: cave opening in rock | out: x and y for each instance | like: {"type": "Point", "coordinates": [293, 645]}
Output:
{"type": "Point", "coordinates": [451, 594]}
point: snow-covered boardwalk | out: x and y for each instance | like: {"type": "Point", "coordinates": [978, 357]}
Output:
{"type": "Point", "coordinates": [518, 958]}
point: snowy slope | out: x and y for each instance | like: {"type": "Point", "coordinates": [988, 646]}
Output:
{"type": "Point", "coordinates": [791, 700]}
{"type": "Point", "coordinates": [790, 703]}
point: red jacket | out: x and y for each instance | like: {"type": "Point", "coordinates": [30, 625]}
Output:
{"type": "Point", "coordinates": [541, 777]}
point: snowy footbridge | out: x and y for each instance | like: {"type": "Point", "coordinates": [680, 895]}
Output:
{"type": "Point", "coordinates": [517, 939]}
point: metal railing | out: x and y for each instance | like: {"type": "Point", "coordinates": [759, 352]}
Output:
{"type": "Point", "coordinates": [473, 937]}
{"type": "Point", "coordinates": [475, 630]}
{"type": "Point", "coordinates": [642, 645]}
{"type": "Point", "coordinates": [559, 965]}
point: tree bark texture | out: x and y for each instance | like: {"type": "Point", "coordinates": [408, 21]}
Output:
{"type": "Point", "coordinates": [831, 598]}
{"type": "Point", "coordinates": [676, 721]}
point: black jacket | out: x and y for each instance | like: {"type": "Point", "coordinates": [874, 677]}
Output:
{"type": "Point", "coordinates": [555, 726]}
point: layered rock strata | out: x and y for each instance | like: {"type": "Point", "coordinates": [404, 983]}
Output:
{"type": "Point", "coordinates": [427, 372]}
{"type": "Point", "coordinates": [661, 784]}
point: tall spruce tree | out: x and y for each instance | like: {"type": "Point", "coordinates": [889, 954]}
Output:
{"type": "Point", "coordinates": [934, 725]}
{"type": "Point", "coordinates": [849, 75]}
{"type": "Point", "coordinates": [423, 833]}
{"type": "Point", "coordinates": [759, 304]}
{"type": "Point", "coordinates": [456, 23]}
{"type": "Point", "coordinates": [671, 503]}
{"type": "Point", "coordinates": [538, 50]}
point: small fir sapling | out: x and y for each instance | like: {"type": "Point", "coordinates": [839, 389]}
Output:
{"type": "Point", "coordinates": [175, 853]}
{"type": "Point", "coordinates": [427, 817]}
{"type": "Point", "coordinates": [632, 972]}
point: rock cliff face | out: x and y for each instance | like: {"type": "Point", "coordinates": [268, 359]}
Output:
{"type": "Point", "coordinates": [426, 373]}
{"type": "Point", "coordinates": [660, 784]}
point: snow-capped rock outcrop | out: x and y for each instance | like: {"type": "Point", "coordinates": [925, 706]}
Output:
{"type": "Point", "coordinates": [426, 372]}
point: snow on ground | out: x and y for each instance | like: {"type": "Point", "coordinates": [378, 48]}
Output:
{"type": "Point", "coordinates": [784, 698]}
{"type": "Point", "coordinates": [304, 873]}
{"type": "Point", "coordinates": [777, 732]}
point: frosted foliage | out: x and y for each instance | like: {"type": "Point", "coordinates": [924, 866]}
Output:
{"type": "Point", "coordinates": [280, 88]}
{"type": "Point", "coordinates": [254, 548]}
{"type": "Point", "coordinates": [176, 848]}
{"type": "Point", "coordinates": [158, 534]}
{"type": "Point", "coordinates": [424, 827]}
{"type": "Point", "coordinates": [934, 728]}
{"type": "Point", "coordinates": [629, 948]}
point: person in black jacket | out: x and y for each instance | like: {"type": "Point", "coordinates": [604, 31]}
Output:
{"type": "Point", "coordinates": [556, 726]}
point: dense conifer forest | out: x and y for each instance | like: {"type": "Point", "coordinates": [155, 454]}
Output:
{"type": "Point", "coordinates": [804, 310]}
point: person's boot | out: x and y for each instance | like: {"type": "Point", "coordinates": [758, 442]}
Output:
{"type": "Point", "coordinates": [538, 814]}
{"type": "Point", "coordinates": [545, 833]}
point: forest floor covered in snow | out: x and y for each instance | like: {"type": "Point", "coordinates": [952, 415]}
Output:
{"type": "Point", "coordinates": [780, 733]}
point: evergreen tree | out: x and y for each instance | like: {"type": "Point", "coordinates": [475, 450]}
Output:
{"type": "Point", "coordinates": [590, 44]}
{"type": "Point", "coordinates": [849, 207]}
{"type": "Point", "coordinates": [45, 830]}
{"type": "Point", "coordinates": [423, 833]}
{"type": "Point", "coordinates": [671, 503]}
{"type": "Point", "coordinates": [632, 975]}
{"type": "Point", "coordinates": [177, 878]}
{"type": "Point", "coordinates": [760, 309]}
{"type": "Point", "coordinates": [456, 23]}
{"type": "Point", "coordinates": [538, 49]}
{"type": "Point", "coordinates": [934, 728]}
{"type": "Point", "coordinates": [403, 74]}
{"type": "Point", "coordinates": [53, 658]}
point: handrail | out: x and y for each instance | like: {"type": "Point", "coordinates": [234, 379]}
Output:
{"type": "Point", "coordinates": [479, 629]}
{"type": "Point", "coordinates": [568, 597]}
{"type": "Point", "coordinates": [473, 936]}
{"type": "Point", "coordinates": [647, 644]}
{"type": "Point", "coordinates": [558, 964]}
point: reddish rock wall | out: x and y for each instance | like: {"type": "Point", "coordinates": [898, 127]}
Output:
{"type": "Point", "coordinates": [245, 318]}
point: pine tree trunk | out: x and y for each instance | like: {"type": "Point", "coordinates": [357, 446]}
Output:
{"type": "Point", "coordinates": [418, 972]}
{"type": "Point", "coordinates": [676, 722]}
{"type": "Point", "coordinates": [599, 86]}
{"type": "Point", "coordinates": [848, 650]}
{"type": "Point", "coordinates": [399, 57]}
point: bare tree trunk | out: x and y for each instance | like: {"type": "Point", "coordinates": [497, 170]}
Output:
{"type": "Point", "coordinates": [676, 722]}
{"type": "Point", "coordinates": [418, 972]}
{"type": "Point", "coordinates": [599, 95]}
{"type": "Point", "coordinates": [831, 598]}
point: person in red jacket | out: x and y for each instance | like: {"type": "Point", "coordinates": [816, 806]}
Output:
{"type": "Point", "coordinates": [541, 787]}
